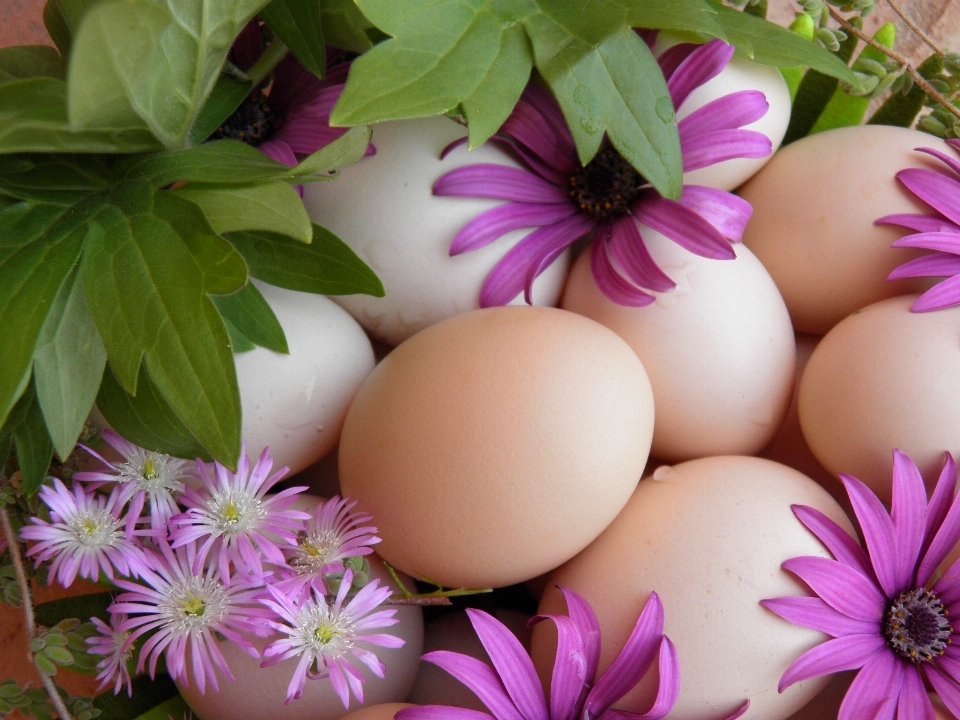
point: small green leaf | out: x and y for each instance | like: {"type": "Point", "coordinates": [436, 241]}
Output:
{"type": "Point", "coordinates": [344, 26]}
{"type": "Point", "coordinates": [45, 665]}
{"type": "Point", "coordinates": [251, 316]}
{"type": "Point", "coordinates": [901, 110]}
{"type": "Point", "coordinates": [67, 365]}
{"type": "Point", "coordinates": [239, 343]}
{"type": "Point", "coordinates": [149, 696]}
{"type": "Point", "coordinates": [147, 420]}
{"type": "Point", "coordinates": [804, 27]}
{"type": "Point", "coordinates": [228, 94]}
{"type": "Point", "coordinates": [61, 656]}
{"type": "Point", "coordinates": [57, 26]}
{"type": "Point", "coordinates": [82, 606]}
{"type": "Point", "coordinates": [34, 448]}
{"type": "Point", "coordinates": [327, 266]}
{"type": "Point", "coordinates": [29, 61]}
{"type": "Point", "coordinates": [175, 707]}
{"type": "Point", "coordinates": [271, 206]}
{"type": "Point", "coordinates": [297, 23]}
{"type": "Point", "coordinates": [345, 150]}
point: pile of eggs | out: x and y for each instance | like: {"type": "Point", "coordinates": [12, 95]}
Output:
{"type": "Point", "coordinates": [506, 446]}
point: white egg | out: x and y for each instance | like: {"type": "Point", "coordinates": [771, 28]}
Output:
{"type": "Point", "coordinates": [739, 75]}
{"type": "Point", "coordinates": [383, 207]}
{"type": "Point", "coordinates": [296, 403]}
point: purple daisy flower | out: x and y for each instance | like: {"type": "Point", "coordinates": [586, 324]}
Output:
{"type": "Point", "coordinates": [235, 520]}
{"type": "Point", "coordinates": [325, 637]}
{"type": "Point", "coordinates": [512, 690]}
{"type": "Point", "coordinates": [887, 613]}
{"type": "Point", "coordinates": [565, 201]}
{"type": "Point", "coordinates": [117, 648]}
{"type": "Point", "coordinates": [940, 233]}
{"type": "Point", "coordinates": [84, 537]}
{"type": "Point", "coordinates": [186, 609]}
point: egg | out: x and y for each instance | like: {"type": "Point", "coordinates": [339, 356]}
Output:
{"type": "Point", "coordinates": [708, 536]}
{"type": "Point", "coordinates": [384, 209]}
{"type": "Point", "coordinates": [495, 445]}
{"type": "Point", "coordinates": [386, 711]}
{"type": "Point", "coordinates": [814, 207]}
{"type": "Point", "coordinates": [718, 348]}
{"type": "Point", "coordinates": [940, 710]}
{"type": "Point", "coordinates": [884, 378]}
{"type": "Point", "coordinates": [295, 404]}
{"type": "Point", "coordinates": [827, 702]}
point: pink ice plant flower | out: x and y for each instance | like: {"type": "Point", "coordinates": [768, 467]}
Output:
{"type": "Point", "coordinates": [884, 607]}
{"type": "Point", "coordinates": [939, 233]}
{"type": "Point", "coordinates": [147, 479]}
{"type": "Point", "coordinates": [565, 201]}
{"type": "Point", "coordinates": [332, 535]}
{"type": "Point", "coordinates": [116, 646]}
{"type": "Point", "coordinates": [235, 519]}
{"type": "Point", "coordinates": [511, 689]}
{"type": "Point", "coordinates": [85, 537]}
{"type": "Point", "coordinates": [184, 609]}
{"type": "Point", "coordinates": [325, 637]}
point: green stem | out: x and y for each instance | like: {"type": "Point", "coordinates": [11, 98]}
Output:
{"type": "Point", "coordinates": [275, 52]}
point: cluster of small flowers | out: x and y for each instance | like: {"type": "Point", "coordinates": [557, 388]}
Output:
{"type": "Point", "coordinates": [202, 553]}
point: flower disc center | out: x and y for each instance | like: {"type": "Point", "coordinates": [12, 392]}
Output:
{"type": "Point", "coordinates": [250, 123]}
{"type": "Point", "coordinates": [606, 188]}
{"type": "Point", "coordinates": [917, 628]}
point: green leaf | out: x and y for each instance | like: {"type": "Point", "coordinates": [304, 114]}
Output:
{"type": "Point", "coordinates": [228, 94]}
{"type": "Point", "coordinates": [147, 420]}
{"type": "Point", "coordinates": [345, 150]}
{"type": "Point", "coordinates": [57, 26]}
{"type": "Point", "coordinates": [251, 316]}
{"type": "Point", "coordinates": [67, 365]}
{"type": "Point", "coordinates": [297, 23]}
{"type": "Point", "coordinates": [327, 266]}
{"type": "Point", "coordinates": [804, 27]}
{"type": "Point", "coordinates": [147, 276]}
{"type": "Point", "coordinates": [59, 655]}
{"type": "Point", "coordinates": [149, 696]}
{"type": "Point", "coordinates": [901, 110]}
{"type": "Point", "coordinates": [81, 606]}
{"type": "Point", "coordinates": [29, 61]}
{"type": "Point", "coordinates": [344, 26]}
{"type": "Point", "coordinates": [273, 206]}
{"type": "Point", "coordinates": [45, 665]}
{"type": "Point", "coordinates": [175, 707]}
{"type": "Point", "coordinates": [54, 179]}
{"type": "Point", "coordinates": [34, 448]}
{"type": "Point", "coordinates": [605, 17]}
{"type": "Point", "coordinates": [239, 343]}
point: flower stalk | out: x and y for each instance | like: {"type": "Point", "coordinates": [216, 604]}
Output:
{"type": "Point", "coordinates": [276, 51]}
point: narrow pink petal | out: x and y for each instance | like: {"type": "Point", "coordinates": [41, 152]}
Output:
{"type": "Point", "coordinates": [728, 112]}
{"type": "Point", "coordinates": [537, 124]}
{"type": "Point", "coordinates": [703, 64]}
{"type": "Point", "coordinates": [914, 703]}
{"type": "Point", "coordinates": [531, 160]}
{"type": "Point", "coordinates": [942, 157]}
{"type": "Point", "coordinates": [919, 223]}
{"type": "Point", "coordinates": [739, 712]}
{"type": "Point", "coordinates": [728, 213]}
{"type": "Point", "coordinates": [247, 46]}
{"type": "Point", "coordinates": [669, 688]}
{"type": "Point", "coordinates": [842, 587]}
{"type": "Point", "coordinates": [943, 523]}
{"type": "Point", "coordinates": [569, 671]}
{"type": "Point", "coordinates": [948, 242]}
{"type": "Point", "coordinates": [942, 295]}
{"type": "Point", "coordinates": [875, 690]}
{"type": "Point", "coordinates": [540, 99]}
{"type": "Point", "coordinates": [938, 191]}
{"type": "Point", "coordinates": [843, 653]}
{"type": "Point", "coordinates": [719, 146]}
{"type": "Point", "coordinates": [584, 618]}
{"type": "Point", "coordinates": [909, 516]}
{"type": "Point", "coordinates": [440, 712]}
{"type": "Point", "coordinates": [629, 251]}
{"type": "Point", "coordinates": [673, 57]}
{"type": "Point", "coordinates": [684, 226]}
{"type": "Point", "coordinates": [480, 678]}
{"type": "Point", "coordinates": [936, 265]}
{"type": "Point", "coordinates": [947, 688]}
{"type": "Point", "coordinates": [279, 151]}
{"type": "Point", "coordinates": [815, 614]}
{"type": "Point", "coordinates": [877, 531]}
{"type": "Point", "coordinates": [292, 86]}
{"type": "Point", "coordinates": [497, 222]}
{"type": "Point", "coordinates": [498, 182]}
{"type": "Point", "coordinates": [947, 586]}
{"type": "Point", "coordinates": [843, 547]}
{"type": "Point", "coordinates": [611, 283]}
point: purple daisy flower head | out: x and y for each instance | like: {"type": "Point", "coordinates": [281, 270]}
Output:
{"type": "Point", "coordinates": [85, 536]}
{"type": "Point", "coordinates": [887, 612]}
{"type": "Point", "coordinates": [325, 637]}
{"type": "Point", "coordinates": [566, 201]}
{"type": "Point", "coordinates": [185, 609]}
{"type": "Point", "coordinates": [512, 690]}
{"type": "Point", "coordinates": [116, 646]}
{"type": "Point", "coordinates": [146, 479]}
{"type": "Point", "coordinates": [236, 520]}
{"type": "Point", "coordinates": [939, 233]}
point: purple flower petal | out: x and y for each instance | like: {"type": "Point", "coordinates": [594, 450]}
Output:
{"type": "Point", "coordinates": [909, 516]}
{"type": "Point", "coordinates": [613, 285]}
{"type": "Point", "coordinates": [629, 251]}
{"type": "Point", "coordinates": [874, 691]}
{"type": "Point", "coordinates": [815, 614]}
{"type": "Point", "coordinates": [914, 703]}
{"type": "Point", "coordinates": [248, 46]}
{"type": "Point", "coordinates": [703, 64]}
{"type": "Point", "coordinates": [728, 112]}
{"type": "Point", "coordinates": [946, 688]}
{"type": "Point", "coordinates": [632, 662]}
{"type": "Point", "coordinates": [498, 182]}
{"type": "Point", "coordinates": [279, 151]}
{"type": "Point", "coordinates": [936, 190]}
{"type": "Point", "coordinates": [569, 671]}
{"type": "Point", "coordinates": [739, 712]}
{"type": "Point", "coordinates": [728, 213]}
{"type": "Point", "coordinates": [531, 160]}
{"type": "Point", "coordinates": [919, 223]}
{"type": "Point", "coordinates": [492, 224]}
{"type": "Point", "coordinates": [947, 587]}
{"type": "Point", "coordinates": [942, 157]}
{"type": "Point", "coordinates": [843, 547]}
{"type": "Point", "coordinates": [936, 265]}
{"type": "Point", "coordinates": [512, 664]}
{"type": "Point", "coordinates": [584, 618]}
{"type": "Point", "coordinates": [718, 146]}
{"type": "Point", "coordinates": [842, 587]}
{"type": "Point", "coordinates": [684, 226]}
{"type": "Point", "coordinates": [440, 712]}
{"type": "Point", "coordinates": [878, 532]}
{"type": "Point", "coordinates": [843, 653]}
{"type": "Point", "coordinates": [668, 689]}
{"type": "Point", "coordinates": [942, 295]}
{"type": "Point", "coordinates": [537, 124]}
{"type": "Point", "coordinates": [480, 678]}
{"type": "Point", "coordinates": [947, 242]}
{"type": "Point", "coordinates": [673, 57]}
{"type": "Point", "coordinates": [293, 86]}
{"type": "Point", "coordinates": [943, 523]}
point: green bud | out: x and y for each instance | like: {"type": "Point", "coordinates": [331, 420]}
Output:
{"type": "Point", "coordinates": [870, 66]}
{"type": "Point", "coordinates": [932, 126]}
{"type": "Point", "coordinates": [884, 85]}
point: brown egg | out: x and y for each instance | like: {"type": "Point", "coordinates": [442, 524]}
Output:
{"type": "Point", "coordinates": [814, 205]}
{"type": "Point", "coordinates": [884, 378]}
{"type": "Point", "coordinates": [826, 704]}
{"type": "Point", "coordinates": [708, 536]}
{"type": "Point", "coordinates": [940, 711]}
{"type": "Point", "coordinates": [718, 348]}
{"type": "Point", "coordinates": [494, 446]}
{"type": "Point", "coordinates": [386, 711]}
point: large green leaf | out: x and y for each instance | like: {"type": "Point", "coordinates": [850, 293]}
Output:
{"type": "Point", "coordinates": [327, 266]}
{"type": "Point", "coordinates": [251, 316]}
{"type": "Point", "coordinates": [228, 94]}
{"type": "Point", "coordinates": [147, 277]}
{"type": "Point", "coordinates": [28, 61]}
{"type": "Point", "coordinates": [54, 179]}
{"type": "Point", "coordinates": [81, 606]}
{"type": "Point", "coordinates": [344, 26]}
{"type": "Point", "coordinates": [151, 699]}
{"type": "Point", "coordinates": [34, 448]}
{"type": "Point", "coordinates": [297, 23]}
{"type": "Point", "coordinates": [67, 365]}
{"type": "Point", "coordinates": [592, 24]}
{"type": "Point", "coordinates": [273, 206]}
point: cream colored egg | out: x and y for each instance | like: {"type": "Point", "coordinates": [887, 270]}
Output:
{"type": "Point", "coordinates": [884, 378]}
{"type": "Point", "coordinates": [719, 349]}
{"type": "Point", "coordinates": [386, 711]}
{"type": "Point", "coordinates": [814, 207]}
{"type": "Point", "coordinates": [708, 536]}
{"type": "Point", "coordinates": [295, 404]}
{"type": "Point", "coordinates": [384, 209]}
{"type": "Point", "coordinates": [495, 445]}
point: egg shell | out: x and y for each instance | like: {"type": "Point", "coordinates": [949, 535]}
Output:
{"type": "Point", "coordinates": [384, 209]}
{"type": "Point", "coordinates": [708, 536]}
{"type": "Point", "coordinates": [261, 692]}
{"type": "Point", "coordinates": [884, 378]}
{"type": "Point", "coordinates": [454, 632]}
{"type": "Point", "coordinates": [940, 711]}
{"type": "Point", "coordinates": [718, 348]}
{"type": "Point", "coordinates": [386, 711]}
{"type": "Point", "coordinates": [295, 404]}
{"type": "Point", "coordinates": [827, 703]}
{"type": "Point", "coordinates": [493, 446]}
{"type": "Point", "coordinates": [814, 207]}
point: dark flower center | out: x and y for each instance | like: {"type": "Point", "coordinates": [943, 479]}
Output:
{"type": "Point", "coordinates": [606, 187]}
{"type": "Point", "coordinates": [251, 123]}
{"type": "Point", "coordinates": [917, 628]}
